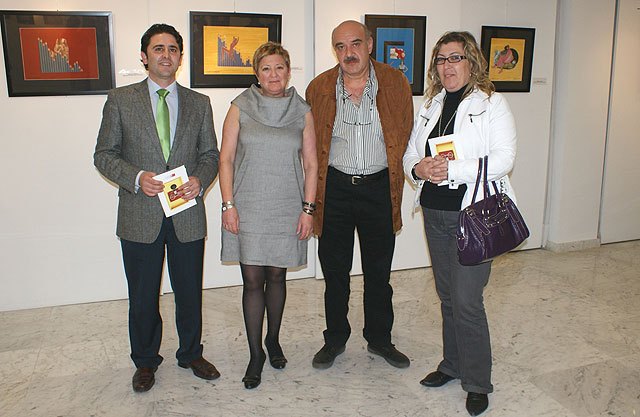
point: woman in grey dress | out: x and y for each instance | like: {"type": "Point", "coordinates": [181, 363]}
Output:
{"type": "Point", "coordinates": [268, 176]}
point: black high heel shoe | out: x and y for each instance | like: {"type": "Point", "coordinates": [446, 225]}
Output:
{"type": "Point", "coordinates": [253, 375]}
{"type": "Point", "coordinates": [276, 357]}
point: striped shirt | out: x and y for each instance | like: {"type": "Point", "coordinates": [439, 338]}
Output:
{"type": "Point", "coordinates": [357, 144]}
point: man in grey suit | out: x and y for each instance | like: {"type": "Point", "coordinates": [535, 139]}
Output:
{"type": "Point", "coordinates": [149, 128]}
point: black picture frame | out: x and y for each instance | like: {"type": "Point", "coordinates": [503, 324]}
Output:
{"type": "Point", "coordinates": [392, 33]}
{"type": "Point", "coordinates": [256, 29]}
{"type": "Point", "coordinates": [79, 62]}
{"type": "Point", "coordinates": [509, 55]}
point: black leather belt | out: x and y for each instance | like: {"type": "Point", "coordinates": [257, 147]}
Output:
{"type": "Point", "coordinates": [360, 179]}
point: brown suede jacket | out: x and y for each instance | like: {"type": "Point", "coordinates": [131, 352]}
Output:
{"type": "Point", "coordinates": [395, 106]}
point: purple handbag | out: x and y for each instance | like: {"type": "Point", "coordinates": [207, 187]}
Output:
{"type": "Point", "coordinates": [489, 227]}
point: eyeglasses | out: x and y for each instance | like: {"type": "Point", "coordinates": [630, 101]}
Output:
{"type": "Point", "coordinates": [363, 120]}
{"type": "Point", "coordinates": [453, 59]}
{"type": "Point", "coordinates": [356, 123]}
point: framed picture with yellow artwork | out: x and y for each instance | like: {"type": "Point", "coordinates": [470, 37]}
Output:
{"type": "Point", "coordinates": [222, 46]}
{"type": "Point", "coordinates": [509, 54]}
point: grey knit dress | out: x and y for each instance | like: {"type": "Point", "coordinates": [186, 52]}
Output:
{"type": "Point", "coordinates": [268, 181]}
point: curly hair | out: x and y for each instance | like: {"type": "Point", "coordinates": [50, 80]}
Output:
{"type": "Point", "coordinates": [479, 77]}
{"type": "Point", "coordinates": [270, 48]}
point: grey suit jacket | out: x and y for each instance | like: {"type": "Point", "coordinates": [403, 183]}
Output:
{"type": "Point", "coordinates": [128, 143]}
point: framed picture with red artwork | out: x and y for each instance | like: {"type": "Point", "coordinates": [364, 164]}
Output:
{"type": "Point", "coordinates": [57, 53]}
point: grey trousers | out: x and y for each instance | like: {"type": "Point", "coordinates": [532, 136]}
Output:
{"type": "Point", "coordinates": [465, 332]}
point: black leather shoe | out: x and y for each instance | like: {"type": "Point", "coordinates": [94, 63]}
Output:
{"type": "Point", "coordinates": [201, 368]}
{"type": "Point", "coordinates": [253, 375]}
{"type": "Point", "coordinates": [252, 381]}
{"type": "Point", "coordinates": [477, 403]}
{"type": "Point", "coordinates": [143, 379]}
{"type": "Point", "coordinates": [391, 355]}
{"type": "Point", "coordinates": [276, 357]}
{"type": "Point", "coordinates": [278, 362]}
{"type": "Point", "coordinates": [436, 379]}
{"type": "Point", "coordinates": [325, 356]}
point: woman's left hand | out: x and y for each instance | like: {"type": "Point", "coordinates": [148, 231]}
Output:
{"type": "Point", "coordinates": [305, 226]}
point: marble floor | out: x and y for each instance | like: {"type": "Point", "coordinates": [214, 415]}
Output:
{"type": "Point", "coordinates": [565, 332]}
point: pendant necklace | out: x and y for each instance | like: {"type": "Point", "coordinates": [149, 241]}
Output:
{"type": "Point", "coordinates": [440, 131]}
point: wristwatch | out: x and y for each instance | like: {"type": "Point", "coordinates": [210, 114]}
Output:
{"type": "Point", "coordinates": [413, 173]}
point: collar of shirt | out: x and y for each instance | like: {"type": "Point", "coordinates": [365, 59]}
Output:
{"type": "Point", "coordinates": [153, 93]}
{"type": "Point", "coordinates": [370, 88]}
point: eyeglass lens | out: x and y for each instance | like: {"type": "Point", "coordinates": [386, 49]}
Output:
{"type": "Point", "coordinates": [452, 59]}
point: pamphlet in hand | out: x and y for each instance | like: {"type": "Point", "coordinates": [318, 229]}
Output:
{"type": "Point", "coordinates": [169, 199]}
{"type": "Point", "coordinates": [445, 146]}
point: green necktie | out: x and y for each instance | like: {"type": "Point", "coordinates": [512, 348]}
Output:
{"type": "Point", "coordinates": [162, 123]}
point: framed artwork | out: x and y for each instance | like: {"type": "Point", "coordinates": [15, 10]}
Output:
{"type": "Point", "coordinates": [222, 46]}
{"type": "Point", "coordinates": [57, 53]}
{"type": "Point", "coordinates": [400, 41]}
{"type": "Point", "coordinates": [509, 55]}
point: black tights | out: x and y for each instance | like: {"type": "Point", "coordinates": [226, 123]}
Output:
{"type": "Point", "coordinates": [264, 287]}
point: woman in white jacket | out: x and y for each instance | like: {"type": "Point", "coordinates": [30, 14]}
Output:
{"type": "Point", "coordinates": [462, 119]}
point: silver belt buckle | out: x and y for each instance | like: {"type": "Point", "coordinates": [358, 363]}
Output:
{"type": "Point", "coordinates": [354, 179]}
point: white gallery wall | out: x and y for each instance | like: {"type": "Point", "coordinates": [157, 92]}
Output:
{"type": "Point", "coordinates": [57, 243]}
{"type": "Point", "coordinates": [620, 213]}
{"type": "Point", "coordinates": [584, 46]}
{"type": "Point", "coordinates": [594, 195]}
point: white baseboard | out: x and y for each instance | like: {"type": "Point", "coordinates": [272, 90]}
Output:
{"type": "Point", "coordinates": [572, 246]}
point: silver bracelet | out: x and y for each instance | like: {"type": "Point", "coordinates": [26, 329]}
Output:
{"type": "Point", "coordinates": [226, 205]}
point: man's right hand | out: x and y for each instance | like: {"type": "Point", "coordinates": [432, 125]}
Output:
{"type": "Point", "coordinates": [150, 186]}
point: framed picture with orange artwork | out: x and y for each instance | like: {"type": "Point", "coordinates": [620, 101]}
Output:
{"type": "Point", "coordinates": [223, 44]}
{"type": "Point", "coordinates": [57, 53]}
{"type": "Point", "coordinates": [509, 54]}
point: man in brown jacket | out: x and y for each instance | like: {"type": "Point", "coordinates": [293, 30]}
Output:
{"type": "Point", "coordinates": [363, 115]}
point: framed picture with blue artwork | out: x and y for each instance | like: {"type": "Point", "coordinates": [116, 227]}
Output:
{"type": "Point", "coordinates": [222, 46]}
{"type": "Point", "coordinates": [400, 41]}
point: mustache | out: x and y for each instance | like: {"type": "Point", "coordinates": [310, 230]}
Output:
{"type": "Point", "coordinates": [351, 59]}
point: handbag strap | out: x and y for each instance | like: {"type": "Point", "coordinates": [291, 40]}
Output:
{"type": "Point", "coordinates": [475, 189]}
{"type": "Point", "coordinates": [485, 184]}
{"type": "Point", "coordinates": [483, 168]}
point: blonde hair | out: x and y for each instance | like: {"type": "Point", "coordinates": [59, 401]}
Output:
{"type": "Point", "coordinates": [479, 77]}
{"type": "Point", "coordinates": [270, 48]}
